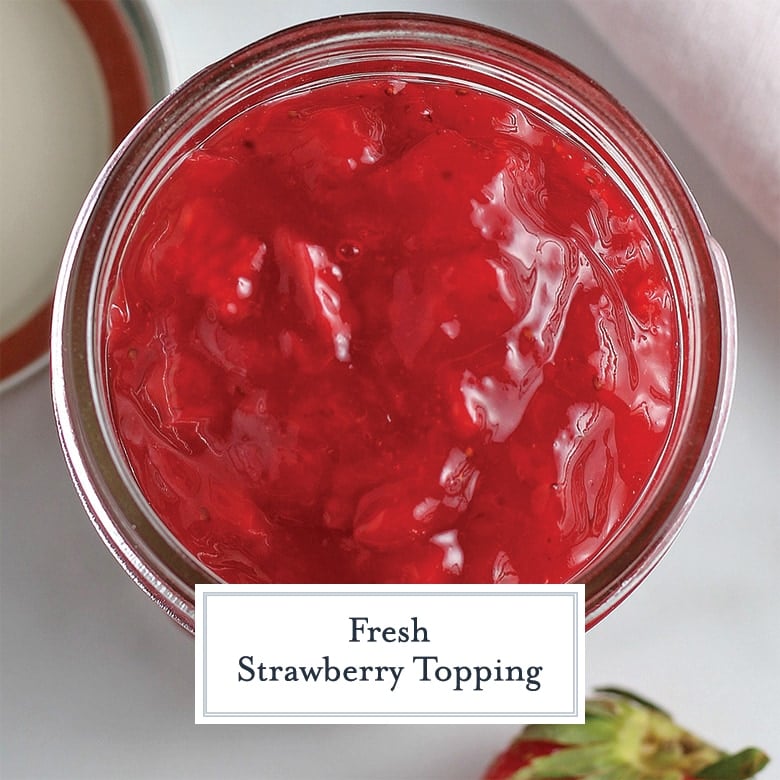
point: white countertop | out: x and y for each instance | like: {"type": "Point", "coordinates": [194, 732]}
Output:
{"type": "Point", "coordinates": [96, 682]}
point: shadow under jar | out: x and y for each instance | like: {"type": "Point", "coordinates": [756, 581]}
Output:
{"type": "Point", "coordinates": [390, 298]}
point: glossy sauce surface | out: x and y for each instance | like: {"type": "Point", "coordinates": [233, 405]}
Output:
{"type": "Point", "coordinates": [390, 331]}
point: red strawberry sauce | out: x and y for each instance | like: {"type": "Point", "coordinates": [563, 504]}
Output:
{"type": "Point", "coordinates": [391, 332]}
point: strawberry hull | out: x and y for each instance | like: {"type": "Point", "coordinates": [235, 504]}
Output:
{"type": "Point", "coordinates": [623, 738]}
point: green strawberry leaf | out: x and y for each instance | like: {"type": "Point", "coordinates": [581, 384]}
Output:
{"type": "Point", "coordinates": [593, 730]}
{"type": "Point", "coordinates": [631, 696]}
{"type": "Point", "coordinates": [569, 762]}
{"type": "Point", "coordinates": [738, 766]}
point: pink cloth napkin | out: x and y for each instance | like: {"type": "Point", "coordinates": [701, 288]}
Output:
{"type": "Point", "coordinates": [715, 66]}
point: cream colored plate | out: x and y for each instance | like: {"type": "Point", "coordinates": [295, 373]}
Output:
{"type": "Point", "coordinates": [75, 77]}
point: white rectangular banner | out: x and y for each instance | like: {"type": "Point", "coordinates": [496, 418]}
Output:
{"type": "Point", "coordinates": [389, 654]}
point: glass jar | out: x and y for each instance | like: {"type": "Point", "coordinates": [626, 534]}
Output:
{"type": "Point", "coordinates": [410, 47]}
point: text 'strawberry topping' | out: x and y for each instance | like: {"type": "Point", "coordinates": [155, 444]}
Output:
{"type": "Point", "coordinates": [389, 331]}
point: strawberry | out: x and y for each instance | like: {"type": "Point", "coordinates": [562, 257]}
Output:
{"type": "Point", "coordinates": [623, 738]}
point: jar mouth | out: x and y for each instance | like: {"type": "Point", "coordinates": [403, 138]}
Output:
{"type": "Point", "coordinates": [397, 44]}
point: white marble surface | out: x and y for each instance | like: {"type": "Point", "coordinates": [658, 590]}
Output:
{"type": "Point", "coordinates": [95, 682]}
